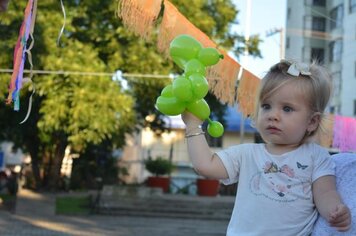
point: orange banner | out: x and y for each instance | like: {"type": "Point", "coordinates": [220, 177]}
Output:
{"type": "Point", "coordinates": [247, 91]}
{"type": "Point", "coordinates": [139, 16]}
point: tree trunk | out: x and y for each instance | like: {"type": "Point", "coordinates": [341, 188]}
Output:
{"type": "Point", "coordinates": [57, 156]}
{"type": "Point", "coordinates": [36, 171]}
{"type": "Point", "coordinates": [33, 148]}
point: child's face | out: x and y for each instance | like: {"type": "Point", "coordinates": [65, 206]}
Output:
{"type": "Point", "coordinates": [285, 117]}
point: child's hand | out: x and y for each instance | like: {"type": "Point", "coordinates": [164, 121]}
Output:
{"type": "Point", "coordinates": [340, 218]}
{"type": "Point", "coordinates": [192, 123]}
{"type": "Point", "coordinates": [190, 120]}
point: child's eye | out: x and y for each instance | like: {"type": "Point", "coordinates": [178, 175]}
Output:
{"type": "Point", "coordinates": [287, 109]}
{"type": "Point", "coordinates": [265, 106]}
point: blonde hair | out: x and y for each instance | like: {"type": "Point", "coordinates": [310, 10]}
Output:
{"type": "Point", "coordinates": [314, 80]}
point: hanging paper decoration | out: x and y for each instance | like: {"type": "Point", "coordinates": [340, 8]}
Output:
{"type": "Point", "coordinates": [139, 16]}
{"type": "Point", "coordinates": [20, 54]}
{"type": "Point", "coordinates": [222, 79]}
{"type": "Point", "coordinates": [247, 91]}
{"type": "Point", "coordinates": [64, 23]}
{"type": "Point", "coordinates": [344, 133]}
{"type": "Point", "coordinates": [174, 24]}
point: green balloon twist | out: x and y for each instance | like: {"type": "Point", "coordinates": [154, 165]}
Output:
{"type": "Point", "coordinates": [187, 92]}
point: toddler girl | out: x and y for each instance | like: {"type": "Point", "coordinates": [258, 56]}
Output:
{"type": "Point", "coordinates": [285, 182]}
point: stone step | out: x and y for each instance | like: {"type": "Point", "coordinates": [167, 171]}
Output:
{"type": "Point", "coordinates": [168, 206]}
{"type": "Point", "coordinates": [199, 209]}
{"type": "Point", "coordinates": [160, 214]}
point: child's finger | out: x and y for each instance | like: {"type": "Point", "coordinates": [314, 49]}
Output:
{"type": "Point", "coordinates": [340, 222]}
{"type": "Point", "coordinates": [340, 210]}
{"type": "Point", "coordinates": [343, 228]}
{"type": "Point", "coordinates": [340, 219]}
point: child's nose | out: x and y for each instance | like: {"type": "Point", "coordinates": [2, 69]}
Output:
{"type": "Point", "coordinates": [273, 114]}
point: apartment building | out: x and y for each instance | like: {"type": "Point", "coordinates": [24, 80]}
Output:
{"type": "Point", "coordinates": [326, 30]}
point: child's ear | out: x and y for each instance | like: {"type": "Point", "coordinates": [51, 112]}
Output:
{"type": "Point", "coordinates": [314, 122]}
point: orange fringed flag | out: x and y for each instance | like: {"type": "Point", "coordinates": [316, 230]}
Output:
{"type": "Point", "coordinates": [139, 16]}
{"type": "Point", "coordinates": [222, 79]}
{"type": "Point", "coordinates": [222, 76]}
{"type": "Point", "coordinates": [174, 24]}
{"type": "Point", "coordinates": [325, 134]}
{"type": "Point", "coordinates": [247, 91]}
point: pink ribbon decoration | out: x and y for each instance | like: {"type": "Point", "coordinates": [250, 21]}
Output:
{"type": "Point", "coordinates": [20, 56]}
{"type": "Point", "coordinates": [344, 133]}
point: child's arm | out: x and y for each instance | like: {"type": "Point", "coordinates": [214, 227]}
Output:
{"type": "Point", "coordinates": [329, 203]}
{"type": "Point", "coordinates": [205, 162]}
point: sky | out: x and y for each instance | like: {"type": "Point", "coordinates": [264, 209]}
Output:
{"type": "Point", "coordinates": [265, 15]}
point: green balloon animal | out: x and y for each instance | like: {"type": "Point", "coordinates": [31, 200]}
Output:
{"type": "Point", "coordinates": [187, 91]}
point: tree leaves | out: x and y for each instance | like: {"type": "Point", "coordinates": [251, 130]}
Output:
{"type": "Point", "coordinates": [83, 110]}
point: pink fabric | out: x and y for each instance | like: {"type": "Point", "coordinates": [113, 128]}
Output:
{"type": "Point", "coordinates": [19, 55]}
{"type": "Point", "coordinates": [344, 133]}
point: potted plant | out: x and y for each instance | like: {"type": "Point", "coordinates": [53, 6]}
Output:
{"type": "Point", "coordinates": [208, 187]}
{"type": "Point", "coordinates": [160, 168]}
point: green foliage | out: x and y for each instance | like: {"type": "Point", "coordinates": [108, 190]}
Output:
{"type": "Point", "coordinates": [71, 205]}
{"type": "Point", "coordinates": [96, 162]}
{"type": "Point", "coordinates": [159, 166]}
{"type": "Point", "coordinates": [89, 110]}
{"type": "Point", "coordinates": [241, 45]}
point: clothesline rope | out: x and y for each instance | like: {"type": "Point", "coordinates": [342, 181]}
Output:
{"type": "Point", "coordinates": [82, 73]}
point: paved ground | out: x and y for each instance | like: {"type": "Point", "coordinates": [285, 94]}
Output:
{"type": "Point", "coordinates": [35, 215]}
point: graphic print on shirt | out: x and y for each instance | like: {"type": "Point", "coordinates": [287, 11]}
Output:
{"type": "Point", "coordinates": [280, 184]}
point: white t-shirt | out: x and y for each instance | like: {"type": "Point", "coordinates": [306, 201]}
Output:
{"type": "Point", "coordinates": [274, 195]}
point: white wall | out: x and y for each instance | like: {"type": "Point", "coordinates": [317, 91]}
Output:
{"type": "Point", "coordinates": [11, 157]}
{"type": "Point", "coordinates": [139, 148]}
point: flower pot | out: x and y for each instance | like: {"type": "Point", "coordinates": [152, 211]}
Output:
{"type": "Point", "coordinates": [159, 182]}
{"type": "Point", "coordinates": [208, 187]}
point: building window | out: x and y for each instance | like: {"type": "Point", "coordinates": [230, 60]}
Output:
{"type": "Point", "coordinates": [336, 93]}
{"type": "Point", "coordinates": [336, 81]}
{"type": "Point", "coordinates": [318, 24]}
{"type": "Point", "coordinates": [352, 6]}
{"type": "Point", "coordinates": [287, 42]}
{"type": "Point", "coordinates": [332, 110]}
{"type": "Point", "coordinates": [289, 12]}
{"type": "Point", "coordinates": [320, 3]}
{"type": "Point", "coordinates": [335, 51]}
{"type": "Point", "coordinates": [336, 15]}
{"type": "Point", "coordinates": [317, 54]}
{"type": "Point", "coordinates": [317, 3]}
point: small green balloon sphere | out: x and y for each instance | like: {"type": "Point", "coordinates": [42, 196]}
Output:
{"type": "Point", "coordinates": [170, 106]}
{"type": "Point", "coordinates": [209, 56]}
{"type": "Point", "coordinates": [182, 89]}
{"type": "Point", "coordinates": [167, 91]}
{"type": "Point", "coordinates": [199, 108]}
{"type": "Point", "coordinates": [200, 85]}
{"type": "Point", "coordinates": [194, 67]}
{"type": "Point", "coordinates": [215, 129]}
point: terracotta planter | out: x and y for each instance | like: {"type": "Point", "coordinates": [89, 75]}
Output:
{"type": "Point", "coordinates": [208, 187]}
{"type": "Point", "coordinates": [159, 182]}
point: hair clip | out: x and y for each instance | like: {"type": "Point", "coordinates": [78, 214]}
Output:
{"type": "Point", "coordinates": [296, 69]}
